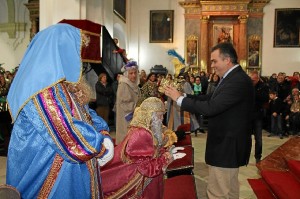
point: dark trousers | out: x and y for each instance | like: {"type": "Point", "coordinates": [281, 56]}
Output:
{"type": "Point", "coordinates": [295, 123]}
{"type": "Point", "coordinates": [276, 125]}
{"type": "Point", "coordinates": [257, 132]}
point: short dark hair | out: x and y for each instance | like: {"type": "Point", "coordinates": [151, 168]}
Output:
{"type": "Point", "coordinates": [227, 50]}
{"type": "Point", "coordinates": [272, 92]}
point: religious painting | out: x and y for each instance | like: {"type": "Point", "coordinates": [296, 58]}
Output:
{"type": "Point", "coordinates": [222, 33]}
{"type": "Point", "coordinates": [287, 27]}
{"type": "Point", "coordinates": [120, 9]}
{"type": "Point", "coordinates": [192, 50]}
{"type": "Point", "coordinates": [161, 26]}
{"type": "Point", "coordinates": [254, 51]}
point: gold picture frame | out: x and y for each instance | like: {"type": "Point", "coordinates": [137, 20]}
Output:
{"type": "Point", "coordinates": [191, 52]}
{"type": "Point", "coordinates": [120, 9]}
{"type": "Point", "coordinates": [254, 51]}
{"type": "Point", "coordinates": [286, 28]}
{"type": "Point", "coordinates": [222, 33]}
{"type": "Point", "coordinates": [161, 26]}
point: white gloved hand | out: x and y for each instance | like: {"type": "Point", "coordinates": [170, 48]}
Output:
{"type": "Point", "coordinates": [108, 144]}
{"type": "Point", "coordinates": [175, 149]}
{"type": "Point", "coordinates": [178, 155]}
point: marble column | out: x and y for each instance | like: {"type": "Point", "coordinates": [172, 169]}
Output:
{"type": "Point", "coordinates": [243, 38]}
{"type": "Point", "coordinates": [204, 43]}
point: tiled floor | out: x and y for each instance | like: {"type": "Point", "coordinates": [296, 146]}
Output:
{"type": "Point", "coordinates": [201, 171]}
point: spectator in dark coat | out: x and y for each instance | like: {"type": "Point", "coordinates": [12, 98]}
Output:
{"type": "Point", "coordinates": [104, 97]}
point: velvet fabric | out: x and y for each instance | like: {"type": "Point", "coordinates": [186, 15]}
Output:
{"type": "Point", "coordinates": [261, 189]}
{"type": "Point", "coordinates": [137, 167]}
{"type": "Point", "coordinates": [180, 187]}
{"type": "Point", "coordinates": [187, 162]}
{"type": "Point", "coordinates": [187, 141]}
{"type": "Point", "coordinates": [92, 52]}
{"type": "Point", "coordinates": [290, 189]}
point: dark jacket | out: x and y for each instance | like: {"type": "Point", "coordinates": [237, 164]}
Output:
{"type": "Point", "coordinates": [229, 110]}
{"type": "Point", "coordinates": [104, 94]}
{"type": "Point", "coordinates": [276, 106]}
{"type": "Point", "coordinates": [261, 99]}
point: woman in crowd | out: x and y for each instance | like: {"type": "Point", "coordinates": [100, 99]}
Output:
{"type": "Point", "coordinates": [104, 97]}
{"type": "Point", "coordinates": [212, 83]}
{"type": "Point", "coordinates": [293, 115]}
{"type": "Point", "coordinates": [197, 86]}
{"type": "Point", "coordinates": [143, 78]}
{"type": "Point", "coordinates": [127, 97]}
{"type": "Point", "coordinates": [150, 88]}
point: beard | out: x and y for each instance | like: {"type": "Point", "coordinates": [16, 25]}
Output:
{"type": "Point", "coordinates": [156, 128]}
{"type": "Point", "coordinates": [81, 90]}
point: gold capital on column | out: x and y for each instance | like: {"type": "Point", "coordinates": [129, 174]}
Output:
{"type": "Point", "coordinates": [204, 42]}
{"type": "Point", "coordinates": [204, 19]}
{"type": "Point", "coordinates": [242, 37]}
{"type": "Point", "coordinates": [243, 18]}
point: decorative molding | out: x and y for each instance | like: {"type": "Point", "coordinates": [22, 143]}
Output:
{"type": "Point", "coordinates": [34, 13]}
{"type": "Point", "coordinates": [205, 18]}
{"type": "Point", "coordinates": [193, 10]}
{"type": "Point", "coordinates": [192, 37]}
{"type": "Point", "coordinates": [243, 18]}
{"type": "Point", "coordinates": [226, 7]}
{"type": "Point", "coordinates": [257, 6]}
{"type": "Point", "coordinates": [236, 13]}
{"type": "Point", "coordinates": [189, 4]}
{"type": "Point", "coordinates": [12, 28]}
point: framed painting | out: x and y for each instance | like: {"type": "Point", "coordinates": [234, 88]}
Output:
{"type": "Point", "coordinates": [254, 51]}
{"type": "Point", "coordinates": [120, 9]}
{"type": "Point", "coordinates": [191, 52]}
{"type": "Point", "coordinates": [287, 27]}
{"type": "Point", "coordinates": [161, 26]}
{"type": "Point", "coordinates": [222, 33]}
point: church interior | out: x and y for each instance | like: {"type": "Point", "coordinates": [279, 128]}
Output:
{"type": "Point", "coordinates": [147, 30]}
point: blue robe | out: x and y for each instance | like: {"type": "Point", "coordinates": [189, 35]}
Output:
{"type": "Point", "coordinates": [53, 147]}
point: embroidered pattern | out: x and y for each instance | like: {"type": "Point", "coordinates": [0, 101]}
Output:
{"type": "Point", "coordinates": [57, 117]}
{"type": "Point", "coordinates": [133, 185]}
{"type": "Point", "coordinates": [51, 178]}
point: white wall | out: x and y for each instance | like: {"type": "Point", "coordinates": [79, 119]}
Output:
{"type": "Point", "coordinates": [277, 59]}
{"type": "Point", "coordinates": [134, 34]}
{"type": "Point", "coordinates": [149, 54]}
{"type": "Point", "coordinates": [53, 11]}
{"type": "Point", "coordinates": [13, 49]}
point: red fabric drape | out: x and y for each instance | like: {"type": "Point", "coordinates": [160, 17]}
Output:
{"type": "Point", "coordinates": [92, 52]}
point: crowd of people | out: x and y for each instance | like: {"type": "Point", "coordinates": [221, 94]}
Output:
{"type": "Point", "coordinates": [58, 143]}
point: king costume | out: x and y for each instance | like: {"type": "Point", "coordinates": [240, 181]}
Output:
{"type": "Point", "coordinates": [56, 141]}
{"type": "Point", "coordinates": [136, 171]}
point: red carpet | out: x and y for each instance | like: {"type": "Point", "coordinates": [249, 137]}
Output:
{"type": "Point", "coordinates": [283, 184]}
{"type": "Point", "coordinates": [294, 166]}
{"type": "Point", "coordinates": [260, 189]}
{"type": "Point", "coordinates": [280, 172]}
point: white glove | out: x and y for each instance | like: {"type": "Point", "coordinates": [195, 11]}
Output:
{"type": "Point", "coordinates": [175, 149]}
{"type": "Point", "coordinates": [178, 155]}
{"type": "Point", "coordinates": [110, 154]}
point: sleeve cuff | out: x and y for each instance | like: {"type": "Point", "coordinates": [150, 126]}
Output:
{"type": "Point", "coordinates": [179, 100]}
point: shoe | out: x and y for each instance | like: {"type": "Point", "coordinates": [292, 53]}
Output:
{"type": "Point", "coordinates": [200, 130]}
{"type": "Point", "coordinates": [270, 135]}
{"type": "Point", "coordinates": [257, 160]}
{"type": "Point", "coordinates": [280, 136]}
